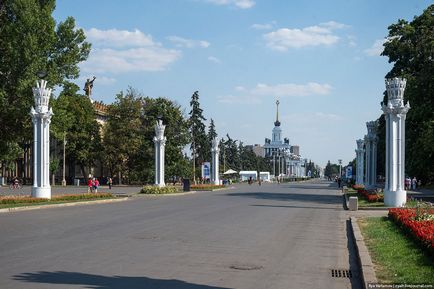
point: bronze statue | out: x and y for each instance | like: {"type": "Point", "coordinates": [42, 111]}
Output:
{"type": "Point", "coordinates": [88, 86]}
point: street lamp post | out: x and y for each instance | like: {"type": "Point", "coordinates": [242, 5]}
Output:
{"type": "Point", "coordinates": [64, 145]}
{"type": "Point", "coordinates": [279, 165]}
{"type": "Point", "coordinates": [340, 168]}
{"type": "Point", "coordinates": [274, 164]}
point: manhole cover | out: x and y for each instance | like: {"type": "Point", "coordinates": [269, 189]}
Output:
{"type": "Point", "coordinates": [245, 267]}
{"type": "Point", "coordinates": [340, 273]}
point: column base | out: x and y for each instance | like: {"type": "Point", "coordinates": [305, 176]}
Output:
{"type": "Point", "coordinates": [41, 192]}
{"type": "Point", "coordinates": [216, 182]}
{"type": "Point", "coordinates": [160, 185]}
{"type": "Point", "coordinates": [395, 198]}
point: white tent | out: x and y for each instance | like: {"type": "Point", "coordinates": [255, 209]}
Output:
{"type": "Point", "coordinates": [230, 172]}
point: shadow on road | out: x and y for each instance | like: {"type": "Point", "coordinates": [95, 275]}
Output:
{"type": "Point", "coordinates": [356, 281]}
{"type": "Point", "coordinates": [107, 282]}
{"type": "Point", "coordinates": [316, 198]}
{"type": "Point", "coordinates": [297, 207]}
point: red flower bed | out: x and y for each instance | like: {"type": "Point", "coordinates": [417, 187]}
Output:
{"type": "Point", "coordinates": [370, 196]}
{"type": "Point", "coordinates": [412, 221]}
{"type": "Point", "coordinates": [358, 187]}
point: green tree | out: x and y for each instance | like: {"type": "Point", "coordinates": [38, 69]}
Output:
{"type": "Point", "coordinates": [31, 42]}
{"type": "Point", "coordinates": [410, 47]}
{"type": "Point", "coordinates": [176, 132]}
{"type": "Point", "coordinates": [199, 141]}
{"type": "Point", "coordinates": [212, 133]}
{"type": "Point", "coordinates": [75, 116]}
{"type": "Point", "coordinates": [122, 134]}
{"type": "Point", "coordinates": [129, 132]}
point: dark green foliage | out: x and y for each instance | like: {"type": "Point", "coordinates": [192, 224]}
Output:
{"type": "Point", "coordinates": [31, 42]}
{"type": "Point", "coordinates": [411, 49]}
{"type": "Point", "coordinates": [200, 146]}
{"type": "Point", "coordinates": [331, 170]}
{"type": "Point", "coordinates": [129, 132]}
{"type": "Point", "coordinates": [75, 117]}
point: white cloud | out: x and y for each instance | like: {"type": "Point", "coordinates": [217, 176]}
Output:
{"type": "Point", "coordinates": [214, 59]}
{"type": "Point", "coordinates": [377, 48]}
{"type": "Point", "coordinates": [243, 4]}
{"type": "Point", "coordinates": [130, 60]}
{"type": "Point", "coordinates": [120, 51]}
{"type": "Point", "coordinates": [328, 116]}
{"type": "Point", "coordinates": [118, 38]}
{"type": "Point", "coordinates": [254, 95]}
{"type": "Point", "coordinates": [291, 89]}
{"type": "Point", "coordinates": [100, 80]}
{"type": "Point", "coordinates": [265, 26]}
{"type": "Point", "coordinates": [351, 41]}
{"type": "Point", "coordinates": [188, 43]}
{"type": "Point", "coordinates": [322, 34]}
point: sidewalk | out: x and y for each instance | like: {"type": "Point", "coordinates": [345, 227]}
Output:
{"type": "Point", "coordinates": [59, 190]}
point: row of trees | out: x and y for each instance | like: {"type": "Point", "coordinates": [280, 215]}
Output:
{"type": "Point", "coordinates": [36, 44]}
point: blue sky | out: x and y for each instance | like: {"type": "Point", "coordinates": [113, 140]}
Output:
{"type": "Point", "coordinates": [319, 58]}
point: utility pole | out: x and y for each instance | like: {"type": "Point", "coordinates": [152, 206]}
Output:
{"type": "Point", "coordinates": [64, 146]}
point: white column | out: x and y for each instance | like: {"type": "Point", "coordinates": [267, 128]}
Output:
{"type": "Point", "coordinates": [367, 161]}
{"type": "Point", "coordinates": [215, 162]}
{"type": "Point", "coordinates": [360, 162]}
{"type": "Point", "coordinates": [41, 118]}
{"type": "Point", "coordinates": [160, 144]}
{"type": "Point", "coordinates": [395, 113]}
{"type": "Point", "coordinates": [371, 155]}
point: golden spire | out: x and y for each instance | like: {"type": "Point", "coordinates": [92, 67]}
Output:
{"type": "Point", "coordinates": [277, 122]}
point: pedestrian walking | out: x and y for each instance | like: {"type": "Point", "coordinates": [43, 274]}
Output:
{"type": "Point", "coordinates": [96, 185]}
{"type": "Point", "coordinates": [89, 186]}
{"type": "Point", "coordinates": [110, 183]}
{"type": "Point", "coordinates": [339, 182]}
{"type": "Point", "coordinates": [413, 183]}
{"type": "Point", "coordinates": [407, 183]}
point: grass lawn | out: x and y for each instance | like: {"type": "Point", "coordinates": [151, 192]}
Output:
{"type": "Point", "coordinates": [397, 258]}
{"type": "Point", "coordinates": [364, 203]}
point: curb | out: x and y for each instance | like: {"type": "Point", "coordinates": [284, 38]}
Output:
{"type": "Point", "coordinates": [365, 262]}
{"type": "Point", "coordinates": [364, 208]}
{"type": "Point", "coordinates": [72, 204]}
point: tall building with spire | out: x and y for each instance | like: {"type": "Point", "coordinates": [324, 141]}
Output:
{"type": "Point", "coordinates": [286, 159]}
{"type": "Point", "coordinates": [276, 145]}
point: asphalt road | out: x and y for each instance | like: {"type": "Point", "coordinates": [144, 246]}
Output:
{"type": "Point", "coordinates": [273, 236]}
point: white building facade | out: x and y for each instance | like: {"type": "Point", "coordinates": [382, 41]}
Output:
{"type": "Point", "coordinates": [286, 159]}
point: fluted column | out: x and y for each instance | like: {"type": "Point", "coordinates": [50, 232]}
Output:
{"type": "Point", "coordinates": [360, 161]}
{"type": "Point", "coordinates": [215, 162]}
{"type": "Point", "coordinates": [41, 118]}
{"type": "Point", "coordinates": [160, 144]}
{"type": "Point", "coordinates": [395, 114]}
{"type": "Point", "coordinates": [371, 155]}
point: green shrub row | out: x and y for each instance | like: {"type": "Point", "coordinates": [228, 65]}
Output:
{"type": "Point", "coordinates": [158, 190]}
{"type": "Point", "coordinates": [29, 200]}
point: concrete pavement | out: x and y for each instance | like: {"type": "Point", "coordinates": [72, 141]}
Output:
{"type": "Point", "coordinates": [273, 236]}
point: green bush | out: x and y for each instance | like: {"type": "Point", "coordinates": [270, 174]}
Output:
{"type": "Point", "coordinates": [158, 190]}
{"type": "Point", "coordinates": [29, 200]}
